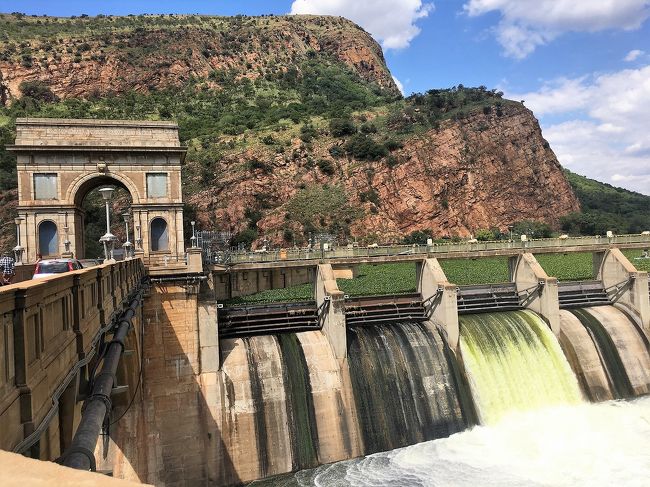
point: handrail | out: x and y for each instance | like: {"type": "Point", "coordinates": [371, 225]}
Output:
{"type": "Point", "coordinates": [239, 257]}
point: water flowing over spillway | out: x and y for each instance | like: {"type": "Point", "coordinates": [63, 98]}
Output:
{"type": "Point", "coordinates": [403, 387]}
{"type": "Point", "coordinates": [585, 445]}
{"type": "Point", "coordinates": [514, 362]}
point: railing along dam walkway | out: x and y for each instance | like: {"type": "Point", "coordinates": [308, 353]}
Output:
{"type": "Point", "coordinates": [438, 250]}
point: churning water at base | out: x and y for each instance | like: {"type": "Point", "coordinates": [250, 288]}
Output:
{"type": "Point", "coordinates": [514, 362]}
{"type": "Point", "coordinates": [590, 445]}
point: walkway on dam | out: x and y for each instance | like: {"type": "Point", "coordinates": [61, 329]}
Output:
{"type": "Point", "coordinates": [394, 253]}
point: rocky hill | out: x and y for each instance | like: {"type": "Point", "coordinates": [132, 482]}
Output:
{"type": "Point", "coordinates": [294, 125]}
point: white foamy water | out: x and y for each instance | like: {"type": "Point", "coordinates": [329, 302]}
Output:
{"type": "Point", "coordinates": [606, 444]}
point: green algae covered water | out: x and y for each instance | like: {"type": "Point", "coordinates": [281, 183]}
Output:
{"type": "Point", "coordinates": [514, 362]}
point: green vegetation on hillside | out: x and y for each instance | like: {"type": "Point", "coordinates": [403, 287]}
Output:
{"type": "Point", "coordinates": [303, 106]}
{"type": "Point", "coordinates": [605, 207]}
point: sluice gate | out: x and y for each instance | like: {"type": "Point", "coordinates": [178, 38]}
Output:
{"type": "Point", "coordinates": [370, 310]}
{"type": "Point", "coordinates": [581, 294]}
{"type": "Point", "coordinates": [488, 298]}
{"type": "Point", "coordinates": [270, 318]}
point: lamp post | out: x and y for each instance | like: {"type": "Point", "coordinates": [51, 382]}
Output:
{"type": "Point", "coordinates": [66, 242]}
{"type": "Point", "coordinates": [193, 239]}
{"type": "Point", "coordinates": [127, 245]}
{"type": "Point", "coordinates": [138, 237]}
{"type": "Point", "coordinates": [18, 249]}
{"type": "Point", "coordinates": [108, 239]}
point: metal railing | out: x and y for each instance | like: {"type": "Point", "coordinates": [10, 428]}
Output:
{"type": "Point", "coordinates": [239, 257]}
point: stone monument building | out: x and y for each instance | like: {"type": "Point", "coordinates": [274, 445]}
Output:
{"type": "Point", "coordinates": [60, 161]}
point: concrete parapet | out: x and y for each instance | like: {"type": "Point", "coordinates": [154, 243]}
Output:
{"type": "Point", "coordinates": [625, 285]}
{"type": "Point", "coordinates": [333, 319]}
{"type": "Point", "coordinates": [46, 327]}
{"type": "Point", "coordinates": [539, 291]}
{"type": "Point", "coordinates": [194, 260]}
{"type": "Point", "coordinates": [441, 297]}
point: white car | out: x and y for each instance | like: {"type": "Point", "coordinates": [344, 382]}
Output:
{"type": "Point", "coordinates": [50, 267]}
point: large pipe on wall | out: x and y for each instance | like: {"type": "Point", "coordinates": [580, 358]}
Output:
{"type": "Point", "coordinates": [81, 454]}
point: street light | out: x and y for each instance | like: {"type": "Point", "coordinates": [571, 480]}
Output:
{"type": "Point", "coordinates": [193, 239]}
{"type": "Point", "coordinates": [127, 245]}
{"type": "Point", "coordinates": [108, 239]}
{"type": "Point", "coordinates": [138, 237]}
{"type": "Point", "coordinates": [18, 249]}
{"type": "Point", "coordinates": [66, 242]}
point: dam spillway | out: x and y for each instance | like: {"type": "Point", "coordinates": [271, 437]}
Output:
{"type": "Point", "coordinates": [514, 362]}
{"type": "Point", "coordinates": [227, 403]}
{"type": "Point", "coordinates": [608, 352]}
{"type": "Point", "coordinates": [403, 387]}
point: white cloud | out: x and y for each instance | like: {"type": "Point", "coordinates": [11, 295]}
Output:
{"type": "Point", "coordinates": [633, 55]}
{"type": "Point", "coordinates": [399, 84]}
{"type": "Point", "coordinates": [391, 22]}
{"type": "Point", "coordinates": [605, 136]}
{"type": "Point", "coordinates": [527, 24]}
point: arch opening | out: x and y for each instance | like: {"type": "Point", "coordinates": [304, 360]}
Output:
{"type": "Point", "coordinates": [159, 235]}
{"type": "Point", "coordinates": [92, 225]}
{"type": "Point", "coordinates": [48, 239]}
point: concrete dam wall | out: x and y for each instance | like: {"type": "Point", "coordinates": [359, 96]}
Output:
{"type": "Point", "coordinates": [231, 410]}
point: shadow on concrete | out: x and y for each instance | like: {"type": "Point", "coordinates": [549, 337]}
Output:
{"type": "Point", "coordinates": [171, 435]}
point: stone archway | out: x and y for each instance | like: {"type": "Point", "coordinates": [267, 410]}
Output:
{"type": "Point", "coordinates": [60, 161]}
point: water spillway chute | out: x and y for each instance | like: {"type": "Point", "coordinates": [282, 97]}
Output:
{"type": "Point", "coordinates": [514, 362]}
{"type": "Point", "coordinates": [607, 350]}
{"type": "Point", "coordinates": [286, 406]}
{"type": "Point", "coordinates": [403, 385]}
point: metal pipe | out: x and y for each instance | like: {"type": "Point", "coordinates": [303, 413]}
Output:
{"type": "Point", "coordinates": [189, 279]}
{"type": "Point", "coordinates": [81, 455]}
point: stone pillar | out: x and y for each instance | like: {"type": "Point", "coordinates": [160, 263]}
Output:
{"type": "Point", "coordinates": [334, 319]}
{"type": "Point", "coordinates": [441, 297]}
{"type": "Point", "coordinates": [194, 260]}
{"type": "Point", "coordinates": [614, 269]}
{"type": "Point", "coordinates": [529, 276]}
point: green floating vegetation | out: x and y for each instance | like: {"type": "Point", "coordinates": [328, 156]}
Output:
{"type": "Point", "coordinates": [301, 292]}
{"type": "Point", "coordinates": [379, 279]}
{"type": "Point", "coordinates": [573, 266]}
{"type": "Point", "coordinates": [638, 260]}
{"type": "Point", "coordinates": [476, 271]}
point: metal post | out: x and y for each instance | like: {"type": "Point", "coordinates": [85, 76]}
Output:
{"type": "Point", "coordinates": [127, 245]}
{"type": "Point", "coordinates": [193, 239]}
{"type": "Point", "coordinates": [108, 239]}
{"type": "Point", "coordinates": [18, 249]}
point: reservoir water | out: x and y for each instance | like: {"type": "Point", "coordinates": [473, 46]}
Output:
{"type": "Point", "coordinates": [604, 444]}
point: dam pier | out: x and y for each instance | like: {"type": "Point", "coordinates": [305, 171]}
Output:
{"type": "Point", "coordinates": [162, 369]}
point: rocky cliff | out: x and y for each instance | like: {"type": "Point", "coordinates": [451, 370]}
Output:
{"type": "Point", "coordinates": [90, 57]}
{"type": "Point", "coordinates": [294, 124]}
{"type": "Point", "coordinates": [480, 172]}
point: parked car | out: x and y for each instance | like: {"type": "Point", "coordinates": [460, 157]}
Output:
{"type": "Point", "coordinates": [45, 268]}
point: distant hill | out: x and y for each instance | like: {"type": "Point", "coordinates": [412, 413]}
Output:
{"type": "Point", "coordinates": [605, 207]}
{"type": "Point", "coordinates": [294, 125]}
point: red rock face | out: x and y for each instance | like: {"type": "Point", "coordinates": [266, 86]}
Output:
{"type": "Point", "coordinates": [141, 59]}
{"type": "Point", "coordinates": [481, 172]}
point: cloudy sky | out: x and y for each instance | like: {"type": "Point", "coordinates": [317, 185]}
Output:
{"type": "Point", "coordinates": [583, 66]}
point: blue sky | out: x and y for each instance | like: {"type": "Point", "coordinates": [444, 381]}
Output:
{"type": "Point", "coordinates": [583, 66]}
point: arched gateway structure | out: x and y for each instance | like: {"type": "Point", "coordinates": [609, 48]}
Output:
{"type": "Point", "coordinates": [60, 161]}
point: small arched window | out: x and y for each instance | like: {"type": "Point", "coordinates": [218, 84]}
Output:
{"type": "Point", "coordinates": [48, 238]}
{"type": "Point", "coordinates": [159, 235]}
